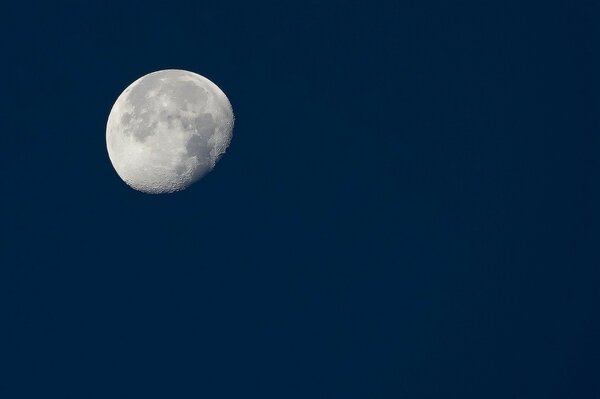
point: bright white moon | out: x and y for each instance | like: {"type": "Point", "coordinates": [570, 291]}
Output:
{"type": "Point", "coordinates": [167, 130]}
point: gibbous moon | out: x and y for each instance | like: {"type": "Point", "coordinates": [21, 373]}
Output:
{"type": "Point", "coordinates": [167, 130]}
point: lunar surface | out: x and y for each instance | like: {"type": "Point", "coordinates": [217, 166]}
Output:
{"type": "Point", "coordinates": [167, 130]}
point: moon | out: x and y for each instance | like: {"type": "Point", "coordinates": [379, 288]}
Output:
{"type": "Point", "coordinates": [167, 130]}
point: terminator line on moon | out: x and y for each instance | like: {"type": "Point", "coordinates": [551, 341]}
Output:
{"type": "Point", "coordinates": [167, 130]}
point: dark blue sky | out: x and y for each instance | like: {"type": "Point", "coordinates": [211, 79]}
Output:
{"type": "Point", "coordinates": [409, 207]}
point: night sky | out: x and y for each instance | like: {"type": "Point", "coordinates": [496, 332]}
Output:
{"type": "Point", "coordinates": [409, 208]}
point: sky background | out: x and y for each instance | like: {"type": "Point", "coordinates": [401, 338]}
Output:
{"type": "Point", "coordinates": [410, 206]}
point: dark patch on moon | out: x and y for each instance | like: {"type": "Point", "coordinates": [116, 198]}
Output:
{"type": "Point", "coordinates": [198, 146]}
{"type": "Point", "coordinates": [204, 125]}
{"type": "Point", "coordinates": [125, 118]}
